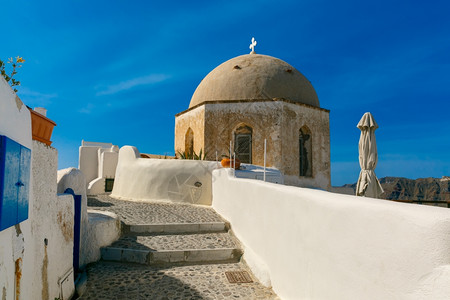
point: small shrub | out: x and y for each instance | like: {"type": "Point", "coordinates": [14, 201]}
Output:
{"type": "Point", "coordinates": [192, 156]}
{"type": "Point", "coordinates": [15, 64]}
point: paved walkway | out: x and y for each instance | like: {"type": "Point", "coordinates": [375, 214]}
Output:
{"type": "Point", "coordinates": [110, 280]}
{"type": "Point", "coordinates": [132, 212]}
{"type": "Point", "coordinates": [118, 280]}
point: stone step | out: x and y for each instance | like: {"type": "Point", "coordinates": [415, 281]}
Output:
{"type": "Point", "coordinates": [150, 257]}
{"type": "Point", "coordinates": [170, 248]}
{"type": "Point", "coordinates": [175, 228]}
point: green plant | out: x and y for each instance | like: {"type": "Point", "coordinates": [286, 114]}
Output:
{"type": "Point", "coordinates": [17, 63]}
{"type": "Point", "coordinates": [193, 155]}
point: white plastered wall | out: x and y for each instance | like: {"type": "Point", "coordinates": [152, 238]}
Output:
{"type": "Point", "coordinates": [98, 229]}
{"type": "Point", "coordinates": [88, 162]}
{"type": "Point", "coordinates": [16, 241]}
{"type": "Point", "coordinates": [74, 179]}
{"type": "Point", "coordinates": [97, 161]}
{"type": "Point", "coordinates": [15, 120]}
{"type": "Point", "coordinates": [52, 223]}
{"type": "Point", "coordinates": [108, 164]}
{"type": "Point", "coordinates": [311, 244]}
{"type": "Point", "coordinates": [178, 180]}
{"type": "Point", "coordinates": [104, 229]}
{"type": "Point", "coordinates": [29, 269]}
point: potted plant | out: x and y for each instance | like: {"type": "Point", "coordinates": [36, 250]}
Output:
{"type": "Point", "coordinates": [230, 163]}
{"type": "Point", "coordinates": [41, 126]}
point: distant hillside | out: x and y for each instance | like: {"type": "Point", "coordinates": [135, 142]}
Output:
{"type": "Point", "coordinates": [399, 188]}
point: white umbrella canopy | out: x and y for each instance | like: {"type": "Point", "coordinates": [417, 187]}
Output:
{"type": "Point", "coordinates": [368, 184]}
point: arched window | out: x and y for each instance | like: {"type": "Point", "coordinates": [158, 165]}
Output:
{"type": "Point", "coordinates": [189, 142]}
{"type": "Point", "coordinates": [243, 143]}
{"type": "Point", "coordinates": [305, 152]}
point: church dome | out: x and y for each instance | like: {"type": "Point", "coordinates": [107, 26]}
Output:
{"type": "Point", "coordinates": [255, 77]}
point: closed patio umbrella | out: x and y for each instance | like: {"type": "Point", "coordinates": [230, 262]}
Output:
{"type": "Point", "coordinates": [368, 184]}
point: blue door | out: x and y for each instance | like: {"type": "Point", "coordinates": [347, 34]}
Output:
{"type": "Point", "coordinates": [15, 161]}
{"type": "Point", "coordinates": [24, 182]}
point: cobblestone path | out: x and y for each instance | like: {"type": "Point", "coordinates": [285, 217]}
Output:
{"type": "Point", "coordinates": [119, 280]}
{"type": "Point", "coordinates": [131, 212]}
{"type": "Point", "coordinates": [110, 280]}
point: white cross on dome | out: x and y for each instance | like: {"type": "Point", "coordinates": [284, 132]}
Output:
{"type": "Point", "coordinates": [252, 45]}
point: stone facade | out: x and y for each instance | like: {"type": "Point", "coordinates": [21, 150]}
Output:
{"type": "Point", "coordinates": [215, 123]}
{"type": "Point", "coordinates": [194, 119]}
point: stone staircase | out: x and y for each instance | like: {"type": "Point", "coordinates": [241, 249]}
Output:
{"type": "Point", "coordinates": [174, 243]}
{"type": "Point", "coordinates": [170, 251]}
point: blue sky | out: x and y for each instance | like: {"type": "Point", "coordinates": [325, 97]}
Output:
{"type": "Point", "coordinates": [116, 71]}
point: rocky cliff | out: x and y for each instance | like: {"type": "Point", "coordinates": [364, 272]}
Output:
{"type": "Point", "coordinates": [399, 188]}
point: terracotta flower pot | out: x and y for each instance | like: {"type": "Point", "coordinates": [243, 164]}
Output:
{"type": "Point", "coordinates": [229, 163]}
{"type": "Point", "coordinates": [41, 127]}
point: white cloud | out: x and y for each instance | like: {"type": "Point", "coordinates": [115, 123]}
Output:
{"type": "Point", "coordinates": [34, 98]}
{"type": "Point", "coordinates": [129, 84]}
{"type": "Point", "coordinates": [87, 109]}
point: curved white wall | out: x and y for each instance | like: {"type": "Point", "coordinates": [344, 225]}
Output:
{"type": "Point", "coordinates": [319, 245]}
{"type": "Point", "coordinates": [75, 179]}
{"type": "Point", "coordinates": [162, 179]}
{"type": "Point", "coordinates": [104, 229]}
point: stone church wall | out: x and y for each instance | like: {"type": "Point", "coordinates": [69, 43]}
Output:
{"type": "Point", "coordinates": [195, 119]}
{"type": "Point", "coordinates": [277, 121]}
{"type": "Point", "coordinates": [317, 121]}
{"type": "Point", "coordinates": [221, 120]}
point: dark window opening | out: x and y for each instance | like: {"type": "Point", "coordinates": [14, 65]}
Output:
{"type": "Point", "coordinates": [305, 153]}
{"type": "Point", "coordinates": [109, 184]}
{"type": "Point", "coordinates": [189, 143]}
{"type": "Point", "coordinates": [243, 144]}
